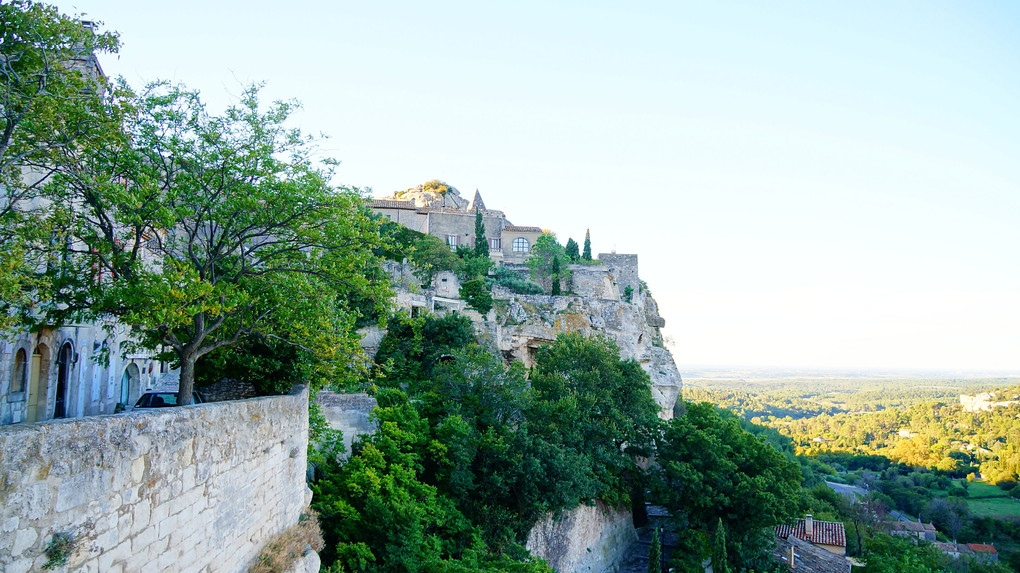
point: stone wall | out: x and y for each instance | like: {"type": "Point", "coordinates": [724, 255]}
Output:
{"type": "Point", "coordinates": [624, 268]}
{"type": "Point", "coordinates": [196, 488]}
{"type": "Point", "coordinates": [349, 413]}
{"type": "Point", "coordinates": [586, 538]}
{"type": "Point", "coordinates": [593, 281]}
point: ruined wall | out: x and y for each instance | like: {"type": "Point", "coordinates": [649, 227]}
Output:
{"type": "Point", "coordinates": [593, 281]}
{"type": "Point", "coordinates": [196, 488]}
{"type": "Point", "coordinates": [349, 413]}
{"type": "Point", "coordinates": [624, 268]}
{"type": "Point", "coordinates": [586, 538]}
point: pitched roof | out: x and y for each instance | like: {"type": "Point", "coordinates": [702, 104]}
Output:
{"type": "Point", "coordinates": [520, 229]}
{"type": "Point", "coordinates": [912, 526]}
{"type": "Point", "coordinates": [809, 558]}
{"type": "Point", "coordinates": [982, 548]}
{"type": "Point", "coordinates": [824, 532]}
{"type": "Point", "coordinates": [476, 203]}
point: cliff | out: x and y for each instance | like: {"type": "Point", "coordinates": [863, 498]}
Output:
{"type": "Point", "coordinates": [519, 324]}
{"type": "Point", "coordinates": [607, 298]}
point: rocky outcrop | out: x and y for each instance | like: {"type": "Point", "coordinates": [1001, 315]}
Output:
{"type": "Point", "coordinates": [586, 538]}
{"type": "Point", "coordinates": [522, 323]}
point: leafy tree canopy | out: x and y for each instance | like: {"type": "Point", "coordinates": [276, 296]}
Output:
{"type": "Point", "coordinates": [572, 251]}
{"type": "Point", "coordinates": [201, 230]}
{"type": "Point", "coordinates": [48, 100]}
{"type": "Point", "coordinates": [713, 470]}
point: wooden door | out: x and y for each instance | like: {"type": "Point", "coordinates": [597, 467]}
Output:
{"type": "Point", "coordinates": [34, 378]}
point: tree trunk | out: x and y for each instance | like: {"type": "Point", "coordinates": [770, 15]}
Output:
{"type": "Point", "coordinates": [187, 383]}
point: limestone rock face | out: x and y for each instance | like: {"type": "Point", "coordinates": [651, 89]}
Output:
{"type": "Point", "coordinates": [525, 322]}
{"type": "Point", "coordinates": [433, 195]}
{"type": "Point", "coordinates": [586, 538]}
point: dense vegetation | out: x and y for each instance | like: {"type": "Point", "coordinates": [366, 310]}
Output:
{"type": "Point", "coordinates": [910, 448]}
{"type": "Point", "coordinates": [471, 452]}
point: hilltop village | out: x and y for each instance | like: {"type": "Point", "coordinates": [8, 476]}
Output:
{"type": "Point", "coordinates": [216, 360]}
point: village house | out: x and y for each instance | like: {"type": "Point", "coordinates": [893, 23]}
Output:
{"type": "Point", "coordinates": [73, 370]}
{"type": "Point", "coordinates": [438, 209]}
{"type": "Point", "coordinates": [923, 531]}
{"type": "Point", "coordinates": [828, 535]}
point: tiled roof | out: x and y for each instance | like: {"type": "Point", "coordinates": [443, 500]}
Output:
{"type": "Point", "coordinates": [392, 204]}
{"type": "Point", "coordinates": [982, 548]}
{"type": "Point", "coordinates": [519, 229]}
{"type": "Point", "coordinates": [824, 532]}
{"type": "Point", "coordinates": [912, 526]}
{"type": "Point", "coordinates": [809, 558]}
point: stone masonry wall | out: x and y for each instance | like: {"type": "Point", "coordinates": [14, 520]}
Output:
{"type": "Point", "coordinates": [586, 538]}
{"type": "Point", "coordinates": [624, 268]}
{"type": "Point", "coordinates": [196, 488]}
{"type": "Point", "coordinates": [349, 413]}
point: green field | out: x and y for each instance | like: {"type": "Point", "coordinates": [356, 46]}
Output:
{"type": "Point", "coordinates": [985, 499]}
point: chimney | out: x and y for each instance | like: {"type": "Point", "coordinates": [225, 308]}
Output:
{"type": "Point", "coordinates": [809, 525]}
{"type": "Point", "coordinates": [793, 563]}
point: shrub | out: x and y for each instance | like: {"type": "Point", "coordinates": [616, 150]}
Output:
{"type": "Point", "coordinates": [60, 549]}
{"type": "Point", "coordinates": [282, 550]}
{"type": "Point", "coordinates": [512, 280]}
{"type": "Point", "coordinates": [476, 295]}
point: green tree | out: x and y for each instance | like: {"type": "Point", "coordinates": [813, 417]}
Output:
{"type": "Point", "coordinates": [720, 563]}
{"type": "Point", "coordinates": [476, 295]}
{"type": "Point", "coordinates": [556, 276]}
{"type": "Point", "coordinates": [712, 469]}
{"type": "Point", "coordinates": [586, 255]}
{"type": "Point", "coordinates": [887, 554]}
{"type": "Point", "coordinates": [572, 251]}
{"type": "Point", "coordinates": [202, 230]}
{"type": "Point", "coordinates": [431, 255]}
{"type": "Point", "coordinates": [413, 347]}
{"type": "Point", "coordinates": [481, 241]}
{"type": "Point", "coordinates": [586, 399]}
{"type": "Point", "coordinates": [655, 553]}
{"type": "Point", "coordinates": [49, 100]}
{"type": "Point", "coordinates": [543, 259]}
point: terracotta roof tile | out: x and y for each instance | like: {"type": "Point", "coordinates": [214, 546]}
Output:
{"type": "Point", "coordinates": [825, 532]}
{"type": "Point", "coordinates": [521, 229]}
{"type": "Point", "coordinates": [982, 548]}
{"type": "Point", "coordinates": [809, 558]}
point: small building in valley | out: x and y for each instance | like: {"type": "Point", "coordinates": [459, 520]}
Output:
{"type": "Point", "coordinates": [828, 535]}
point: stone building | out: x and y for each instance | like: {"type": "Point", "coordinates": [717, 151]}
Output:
{"type": "Point", "coordinates": [447, 215]}
{"type": "Point", "coordinates": [74, 370]}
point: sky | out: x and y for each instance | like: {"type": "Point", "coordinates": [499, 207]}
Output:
{"type": "Point", "coordinates": [807, 185]}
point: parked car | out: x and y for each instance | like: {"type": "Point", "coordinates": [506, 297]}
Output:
{"type": "Point", "coordinates": [164, 399]}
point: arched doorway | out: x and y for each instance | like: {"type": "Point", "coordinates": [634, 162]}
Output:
{"type": "Point", "coordinates": [129, 385]}
{"type": "Point", "coordinates": [35, 406]}
{"type": "Point", "coordinates": [64, 365]}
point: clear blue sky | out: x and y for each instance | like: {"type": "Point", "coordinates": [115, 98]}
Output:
{"type": "Point", "coordinates": [807, 185]}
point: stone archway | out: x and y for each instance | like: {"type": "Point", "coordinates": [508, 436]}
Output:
{"type": "Point", "coordinates": [65, 362]}
{"type": "Point", "coordinates": [129, 384]}
{"type": "Point", "coordinates": [38, 378]}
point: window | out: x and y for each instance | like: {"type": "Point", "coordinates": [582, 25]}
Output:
{"type": "Point", "coordinates": [453, 241]}
{"type": "Point", "coordinates": [495, 244]}
{"type": "Point", "coordinates": [520, 245]}
{"type": "Point", "coordinates": [18, 380]}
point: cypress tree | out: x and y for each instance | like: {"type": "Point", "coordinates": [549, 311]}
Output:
{"type": "Point", "coordinates": [555, 276]}
{"type": "Point", "coordinates": [586, 255]}
{"type": "Point", "coordinates": [719, 560]}
{"type": "Point", "coordinates": [481, 242]}
{"type": "Point", "coordinates": [655, 554]}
